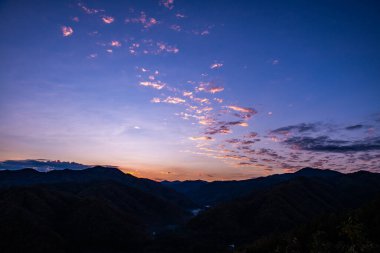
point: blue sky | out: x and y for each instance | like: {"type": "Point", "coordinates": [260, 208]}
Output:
{"type": "Point", "coordinates": [192, 89]}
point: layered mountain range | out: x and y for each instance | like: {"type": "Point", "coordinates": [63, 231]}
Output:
{"type": "Point", "coordinates": [102, 209]}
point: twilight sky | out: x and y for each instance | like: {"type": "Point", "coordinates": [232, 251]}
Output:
{"type": "Point", "coordinates": [178, 89]}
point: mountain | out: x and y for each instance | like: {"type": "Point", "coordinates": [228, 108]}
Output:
{"type": "Point", "coordinates": [351, 231]}
{"type": "Point", "coordinates": [279, 208]}
{"type": "Point", "coordinates": [97, 209]}
{"type": "Point", "coordinates": [42, 165]}
{"type": "Point", "coordinates": [29, 177]}
{"type": "Point", "coordinates": [216, 192]}
{"type": "Point", "coordinates": [104, 210]}
{"type": "Point", "coordinates": [48, 219]}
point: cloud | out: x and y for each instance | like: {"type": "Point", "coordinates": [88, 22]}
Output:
{"type": "Point", "coordinates": [216, 65]}
{"type": "Point", "coordinates": [174, 100]}
{"type": "Point", "coordinates": [43, 165]}
{"type": "Point", "coordinates": [145, 21]}
{"type": "Point", "coordinates": [93, 56]}
{"type": "Point", "coordinates": [164, 47]}
{"type": "Point", "coordinates": [155, 85]}
{"type": "Point", "coordinates": [242, 109]}
{"type": "Point", "coordinates": [176, 28]}
{"type": "Point", "coordinates": [67, 31]}
{"type": "Point", "coordinates": [179, 15]}
{"type": "Point", "coordinates": [89, 10]}
{"type": "Point", "coordinates": [354, 127]}
{"type": "Point", "coordinates": [169, 100]}
{"type": "Point", "coordinates": [299, 128]}
{"type": "Point", "coordinates": [222, 129]}
{"type": "Point", "coordinates": [202, 100]}
{"type": "Point", "coordinates": [108, 19]}
{"type": "Point", "coordinates": [201, 138]}
{"type": "Point", "coordinates": [209, 87]}
{"type": "Point", "coordinates": [169, 4]}
{"type": "Point", "coordinates": [251, 135]}
{"type": "Point", "coordinates": [155, 100]}
{"type": "Point", "coordinates": [115, 43]}
{"type": "Point", "coordinates": [326, 144]}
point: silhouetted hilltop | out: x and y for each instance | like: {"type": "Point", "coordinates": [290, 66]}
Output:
{"type": "Point", "coordinates": [217, 192]}
{"type": "Point", "coordinates": [104, 210]}
{"type": "Point", "coordinates": [28, 177]}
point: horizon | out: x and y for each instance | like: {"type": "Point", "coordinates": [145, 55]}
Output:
{"type": "Point", "coordinates": [18, 165]}
{"type": "Point", "coordinates": [177, 90]}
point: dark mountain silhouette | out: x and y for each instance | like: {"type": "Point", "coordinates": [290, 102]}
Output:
{"type": "Point", "coordinates": [281, 207]}
{"type": "Point", "coordinates": [217, 192]}
{"type": "Point", "coordinates": [351, 231]}
{"type": "Point", "coordinates": [28, 177]}
{"type": "Point", "coordinates": [104, 210]}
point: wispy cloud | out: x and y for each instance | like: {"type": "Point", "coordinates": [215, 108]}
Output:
{"type": "Point", "coordinates": [180, 15]}
{"type": "Point", "coordinates": [216, 65]}
{"type": "Point", "coordinates": [176, 28]}
{"type": "Point", "coordinates": [155, 85]}
{"type": "Point", "coordinates": [326, 144]}
{"type": "Point", "coordinates": [116, 43]}
{"type": "Point", "coordinates": [108, 19]}
{"type": "Point", "coordinates": [209, 87]}
{"type": "Point", "coordinates": [88, 10]}
{"type": "Point", "coordinates": [241, 109]}
{"type": "Point", "coordinates": [143, 19]}
{"type": "Point", "coordinates": [201, 138]}
{"type": "Point", "coordinates": [169, 100]}
{"type": "Point", "coordinates": [169, 4]}
{"type": "Point", "coordinates": [174, 100]}
{"type": "Point", "coordinates": [67, 31]}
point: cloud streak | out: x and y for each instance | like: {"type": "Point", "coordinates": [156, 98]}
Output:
{"type": "Point", "coordinates": [67, 31]}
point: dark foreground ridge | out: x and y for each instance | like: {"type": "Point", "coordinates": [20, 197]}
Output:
{"type": "Point", "coordinates": [104, 210]}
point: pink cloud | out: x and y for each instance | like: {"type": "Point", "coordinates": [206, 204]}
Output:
{"type": "Point", "coordinates": [209, 87]}
{"type": "Point", "coordinates": [169, 4]}
{"type": "Point", "coordinates": [155, 100]}
{"type": "Point", "coordinates": [241, 109]}
{"type": "Point", "coordinates": [216, 89]}
{"type": "Point", "coordinates": [155, 85]}
{"type": "Point", "coordinates": [201, 138]}
{"type": "Point", "coordinates": [165, 47]}
{"type": "Point", "coordinates": [174, 100]}
{"type": "Point", "coordinates": [67, 31]}
{"type": "Point", "coordinates": [143, 20]}
{"type": "Point", "coordinates": [108, 19]}
{"type": "Point", "coordinates": [187, 93]}
{"type": "Point", "coordinates": [202, 100]}
{"type": "Point", "coordinates": [115, 43]}
{"type": "Point", "coordinates": [216, 65]}
{"type": "Point", "coordinates": [89, 10]}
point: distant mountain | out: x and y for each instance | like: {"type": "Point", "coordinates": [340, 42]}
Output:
{"type": "Point", "coordinates": [216, 192]}
{"type": "Point", "coordinates": [104, 210]}
{"type": "Point", "coordinates": [28, 177]}
{"type": "Point", "coordinates": [42, 165]}
{"type": "Point", "coordinates": [282, 207]}
{"type": "Point", "coordinates": [92, 210]}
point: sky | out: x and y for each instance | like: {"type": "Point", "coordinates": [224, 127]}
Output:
{"type": "Point", "coordinates": [175, 89]}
